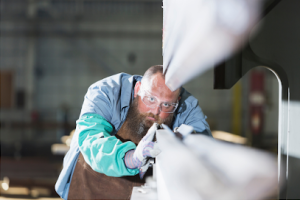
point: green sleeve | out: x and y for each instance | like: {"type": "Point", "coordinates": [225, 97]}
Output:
{"type": "Point", "coordinates": [103, 152]}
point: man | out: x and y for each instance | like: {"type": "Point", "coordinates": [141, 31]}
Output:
{"type": "Point", "coordinates": [128, 105]}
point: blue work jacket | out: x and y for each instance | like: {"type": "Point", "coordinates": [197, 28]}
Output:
{"type": "Point", "coordinates": [111, 98]}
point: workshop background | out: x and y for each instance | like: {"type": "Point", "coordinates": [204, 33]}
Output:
{"type": "Point", "coordinates": [51, 51]}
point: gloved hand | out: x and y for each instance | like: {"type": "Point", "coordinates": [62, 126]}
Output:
{"type": "Point", "coordinates": [144, 169]}
{"type": "Point", "coordinates": [146, 148]}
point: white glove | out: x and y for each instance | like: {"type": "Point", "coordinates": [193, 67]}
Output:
{"type": "Point", "coordinates": [146, 148]}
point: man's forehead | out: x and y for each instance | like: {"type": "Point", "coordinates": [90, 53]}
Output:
{"type": "Point", "coordinates": [156, 86]}
{"type": "Point", "coordinates": [156, 81]}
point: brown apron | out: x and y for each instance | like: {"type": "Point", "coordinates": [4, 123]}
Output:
{"type": "Point", "coordinates": [89, 184]}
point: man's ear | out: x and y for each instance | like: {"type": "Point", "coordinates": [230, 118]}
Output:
{"type": "Point", "coordinates": [137, 88]}
{"type": "Point", "coordinates": [179, 98]}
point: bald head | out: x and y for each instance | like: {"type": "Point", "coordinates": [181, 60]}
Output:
{"type": "Point", "coordinates": [153, 70]}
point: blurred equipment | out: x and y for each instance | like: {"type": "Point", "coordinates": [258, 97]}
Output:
{"type": "Point", "coordinates": [276, 47]}
{"type": "Point", "coordinates": [28, 177]}
{"type": "Point", "coordinates": [62, 148]}
{"type": "Point", "coordinates": [229, 137]}
{"type": "Point", "coordinates": [4, 183]}
{"type": "Point", "coordinates": [257, 100]}
{"type": "Point", "coordinates": [33, 192]}
{"type": "Point", "coordinates": [6, 89]}
{"type": "Point", "coordinates": [205, 168]}
{"type": "Point", "coordinates": [198, 34]}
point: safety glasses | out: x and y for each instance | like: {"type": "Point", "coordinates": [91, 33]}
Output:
{"type": "Point", "coordinates": [153, 102]}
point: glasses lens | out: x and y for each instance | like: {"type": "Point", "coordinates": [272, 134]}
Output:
{"type": "Point", "coordinates": [168, 109]}
{"type": "Point", "coordinates": [150, 101]}
{"type": "Point", "coordinates": [153, 102]}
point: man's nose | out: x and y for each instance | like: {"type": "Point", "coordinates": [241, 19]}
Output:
{"type": "Point", "coordinates": [155, 110]}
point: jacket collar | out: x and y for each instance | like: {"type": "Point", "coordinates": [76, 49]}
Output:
{"type": "Point", "coordinates": [127, 90]}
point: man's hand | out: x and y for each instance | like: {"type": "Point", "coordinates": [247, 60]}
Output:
{"type": "Point", "coordinates": [146, 148]}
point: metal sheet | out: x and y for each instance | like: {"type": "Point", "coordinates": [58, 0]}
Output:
{"type": "Point", "coordinates": [197, 34]}
{"type": "Point", "coordinates": [201, 167]}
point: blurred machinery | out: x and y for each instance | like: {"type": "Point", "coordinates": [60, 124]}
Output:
{"type": "Point", "coordinates": [50, 52]}
{"type": "Point", "coordinates": [198, 40]}
{"type": "Point", "coordinates": [205, 168]}
{"type": "Point", "coordinates": [274, 45]}
{"type": "Point", "coordinates": [199, 34]}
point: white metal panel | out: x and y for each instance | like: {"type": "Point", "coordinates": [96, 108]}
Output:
{"type": "Point", "coordinates": [199, 33]}
{"type": "Point", "coordinates": [201, 167]}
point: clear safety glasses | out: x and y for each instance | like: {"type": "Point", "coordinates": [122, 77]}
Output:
{"type": "Point", "coordinates": [153, 102]}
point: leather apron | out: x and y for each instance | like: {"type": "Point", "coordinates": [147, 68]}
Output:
{"type": "Point", "coordinates": [89, 184]}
